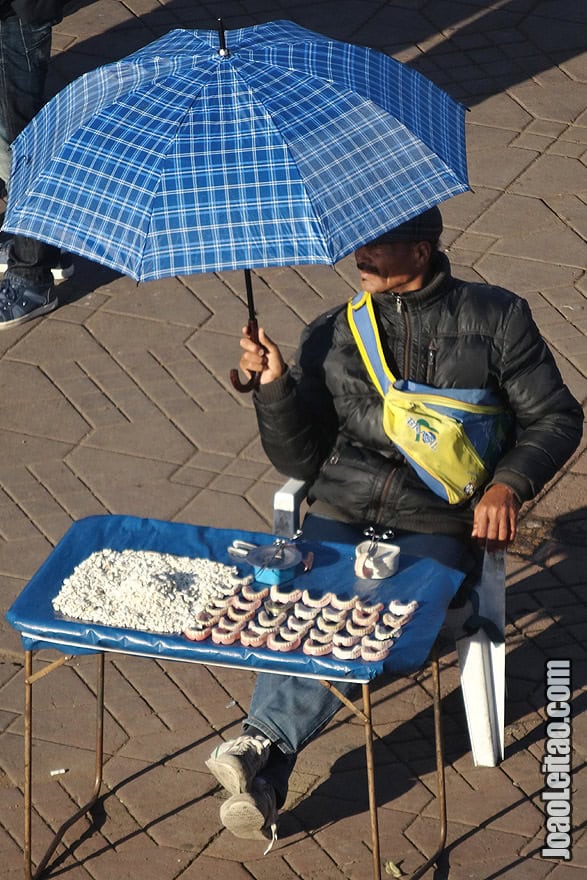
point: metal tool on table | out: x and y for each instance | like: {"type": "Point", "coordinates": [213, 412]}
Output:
{"type": "Point", "coordinates": [375, 559]}
{"type": "Point", "coordinates": [272, 563]}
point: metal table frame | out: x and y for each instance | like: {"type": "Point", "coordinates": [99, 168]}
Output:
{"type": "Point", "coordinates": [364, 714]}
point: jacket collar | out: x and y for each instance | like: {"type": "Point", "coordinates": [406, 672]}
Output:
{"type": "Point", "coordinates": [426, 296]}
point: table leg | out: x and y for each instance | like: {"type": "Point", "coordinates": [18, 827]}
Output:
{"type": "Point", "coordinates": [371, 782]}
{"type": "Point", "coordinates": [365, 716]}
{"type": "Point", "coordinates": [28, 710]}
{"type": "Point", "coordinates": [28, 722]}
{"type": "Point", "coordinates": [440, 777]}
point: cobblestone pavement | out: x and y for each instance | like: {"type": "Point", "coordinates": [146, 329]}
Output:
{"type": "Point", "coordinates": [119, 402]}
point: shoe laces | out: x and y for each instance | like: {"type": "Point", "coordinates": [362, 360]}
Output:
{"type": "Point", "coordinates": [244, 744]}
{"type": "Point", "coordinates": [269, 847]}
{"type": "Point", "coordinates": [8, 295]}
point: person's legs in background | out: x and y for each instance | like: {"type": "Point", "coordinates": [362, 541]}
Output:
{"type": "Point", "coordinates": [26, 290]}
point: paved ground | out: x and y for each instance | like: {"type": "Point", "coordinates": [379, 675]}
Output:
{"type": "Point", "coordinates": [120, 402]}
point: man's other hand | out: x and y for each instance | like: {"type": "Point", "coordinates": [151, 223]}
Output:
{"type": "Point", "coordinates": [496, 516]}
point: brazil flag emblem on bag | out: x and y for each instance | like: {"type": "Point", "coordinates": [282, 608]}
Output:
{"type": "Point", "coordinates": [452, 437]}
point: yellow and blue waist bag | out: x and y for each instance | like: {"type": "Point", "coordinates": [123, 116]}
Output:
{"type": "Point", "coordinates": [452, 437]}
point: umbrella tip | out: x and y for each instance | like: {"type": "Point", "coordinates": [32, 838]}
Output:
{"type": "Point", "coordinates": [223, 51]}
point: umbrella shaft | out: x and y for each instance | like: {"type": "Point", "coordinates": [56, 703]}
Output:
{"type": "Point", "coordinates": [250, 300]}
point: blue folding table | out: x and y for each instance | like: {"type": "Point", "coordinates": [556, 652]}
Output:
{"type": "Point", "coordinates": [433, 586]}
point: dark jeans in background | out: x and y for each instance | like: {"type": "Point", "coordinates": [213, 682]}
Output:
{"type": "Point", "coordinates": [24, 59]}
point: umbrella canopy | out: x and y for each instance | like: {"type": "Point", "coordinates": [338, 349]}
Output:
{"type": "Point", "coordinates": [286, 147]}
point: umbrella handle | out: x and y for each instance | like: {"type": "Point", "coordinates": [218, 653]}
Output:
{"type": "Point", "coordinates": [245, 387]}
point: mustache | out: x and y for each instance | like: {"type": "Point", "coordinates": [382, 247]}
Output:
{"type": "Point", "coordinates": [369, 269]}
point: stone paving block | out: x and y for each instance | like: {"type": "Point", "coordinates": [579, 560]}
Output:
{"type": "Point", "coordinates": [210, 461]}
{"type": "Point", "coordinates": [11, 642]}
{"type": "Point", "coordinates": [205, 868]}
{"type": "Point", "coordinates": [178, 378]}
{"type": "Point", "coordinates": [511, 214]}
{"type": "Point", "coordinates": [55, 419]}
{"type": "Point", "coordinates": [187, 746]}
{"type": "Point", "coordinates": [62, 688]}
{"type": "Point", "coordinates": [204, 691]}
{"type": "Point", "coordinates": [172, 806]}
{"type": "Point", "coordinates": [129, 707]}
{"type": "Point", "coordinates": [166, 301]}
{"type": "Point", "coordinates": [396, 787]}
{"type": "Point", "coordinates": [567, 248]}
{"type": "Point", "coordinates": [309, 291]}
{"type": "Point", "coordinates": [21, 558]}
{"type": "Point", "coordinates": [461, 211]}
{"type": "Point", "coordinates": [524, 771]}
{"type": "Point", "coordinates": [345, 836]}
{"type": "Point", "coordinates": [71, 492]}
{"type": "Point", "coordinates": [551, 176]}
{"type": "Point", "coordinates": [76, 301]}
{"type": "Point", "coordinates": [580, 847]}
{"type": "Point", "coordinates": [524, 275]}
{"type": "Point", "coordinates": [567, 148]}
{"type": "Point", "coordinates": [237, 685]}
{"type": "Point", "coordinates": [224, 845]}
{"type": "Point", "coordinates": [128, 484]}
{"type": "Point", "coordinates": [137, 857]}
{"type": "Point", "coordinates": [70, 726]}
{"type": "Point", "coordinates": [501, 111]}
{"type": "Point", "coordinates": [499, 168]}
{"type": "Point", "coordinates": [11, 857]}
{"type": "Point", "coordinates": [260, 496]}
{"type": "Point", "coordinates": [231, 484]}
{"type": "Point", "coordinates": [483, 852]}
{"type": "Point", "coordinates": [560, 500]}
{"type": "Point", "coordinates": [14, 524]}
{"type": "Point", "coordinates": [126, 333]}
{"type": "Point", "coordinates": [12, 812]}
{"type": "Point", "coordinates": [472, 243]}
{"type": "Point", "coordinates": [221, 510]}
{"type": "Point", "coordinates": [309, 859]}
{"type": "Point", "coordinates": [157, 691]}
{"type": "Point", "coordinates": [228, 430]}
{"type": "Point", "coordinates": [561, 101]}
{"type": "Point", "coordinates": [567, 872]}
{"type": "Point", "coordinates": [54, 341]}
{"type": "Point", "coordinates": [8, 671]}
{"type": "Point", "coordinates": [190, 476]}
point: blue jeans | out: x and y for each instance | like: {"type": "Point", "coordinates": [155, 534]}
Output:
{"type": "Point", "coordinates": [25, 50]}
{"type": "Point", "coordinates": [292, 710]}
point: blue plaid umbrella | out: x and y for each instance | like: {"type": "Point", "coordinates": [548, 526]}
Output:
{"type": "Point", "coordinates": [286, 147]}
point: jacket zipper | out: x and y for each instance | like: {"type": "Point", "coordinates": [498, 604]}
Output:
{"type": "Point", "coordinates": [431, 363]}
{"type": "Point", "coordinates": [400, 310]}
{"type": "Point", "coordinates": [384, 494]}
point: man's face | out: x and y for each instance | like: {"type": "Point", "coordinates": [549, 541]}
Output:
{"type": "Point", "coordinates": [399, 266]}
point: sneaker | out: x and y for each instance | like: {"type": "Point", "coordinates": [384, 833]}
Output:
{"type": "Point", "coordinates": [236, 763]}
{"type": "Point", "coordinates": [19, 301]}
{"type": "Point", "coordinates": [64, 270]}
{"type": "Point", "coordinates": [253, 814]}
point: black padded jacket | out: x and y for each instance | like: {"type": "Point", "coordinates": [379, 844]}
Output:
{"type": "Point", "coordinates": [33, 11]}
{"type": "Point", "coordinates": [322, 420]}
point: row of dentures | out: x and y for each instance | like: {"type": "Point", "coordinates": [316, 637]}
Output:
{"type": "Point", "coordinates": [287, 620]}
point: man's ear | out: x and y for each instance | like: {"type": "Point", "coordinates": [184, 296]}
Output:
{"type": "Point", "coordinates": [423, 252]}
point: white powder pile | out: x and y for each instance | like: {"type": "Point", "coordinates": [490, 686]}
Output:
{"type": "Point", "coordinates": [141, 589]}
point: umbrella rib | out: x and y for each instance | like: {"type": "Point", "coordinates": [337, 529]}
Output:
{"type": "Point", "coordinates": [316, 215]}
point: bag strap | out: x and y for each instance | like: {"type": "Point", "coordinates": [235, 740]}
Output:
{"type": "Point", "coordinates": [363, 324]}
